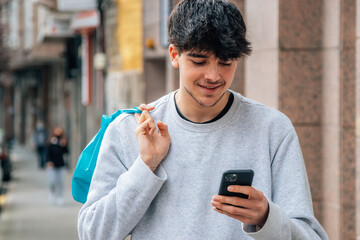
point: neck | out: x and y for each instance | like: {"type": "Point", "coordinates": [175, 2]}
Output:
{"type": "Point", "coordinates": [195, 112]}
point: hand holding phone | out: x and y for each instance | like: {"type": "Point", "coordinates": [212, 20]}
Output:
{"type": "Point", "coordinates": [230, 204]}
{"type": "Point", "coordinates": [235, 177]}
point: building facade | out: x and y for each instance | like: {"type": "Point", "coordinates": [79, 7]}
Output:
{"type": "Point", "coordinates": [44, 78]}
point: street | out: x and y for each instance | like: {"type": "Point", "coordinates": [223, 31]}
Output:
{"type": "Point", "coordinates": [27, 212]}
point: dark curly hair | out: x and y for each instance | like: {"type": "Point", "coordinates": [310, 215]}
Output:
{"type": "Point", "coordinates": [213, 26]}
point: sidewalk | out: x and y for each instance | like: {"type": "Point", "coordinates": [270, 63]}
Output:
{"type": "Point", "coordinates": [27, 213]}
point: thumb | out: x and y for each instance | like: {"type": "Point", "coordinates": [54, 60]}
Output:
{"type": "Point", "coordinates": [163, 129]}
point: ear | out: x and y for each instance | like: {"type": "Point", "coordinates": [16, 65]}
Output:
{"type": "Point", "coordinates": [174, 56]}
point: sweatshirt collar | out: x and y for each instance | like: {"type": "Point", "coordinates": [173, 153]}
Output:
{"type": "Point", "coordinates": [205, 127]}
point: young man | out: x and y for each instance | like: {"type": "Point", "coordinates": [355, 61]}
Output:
{"type": "Point", "coordinates": [40, 137]}
{"type": "Point", "coordinates": [150, 188]}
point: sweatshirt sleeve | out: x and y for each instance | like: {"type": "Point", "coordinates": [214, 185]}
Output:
{"type": "Point", "coordinates": [118, 197]}
{"type": "Point", "coordinates": [290, 209]}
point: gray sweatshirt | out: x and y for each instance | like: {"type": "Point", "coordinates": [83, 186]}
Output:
{"type": "Point", "coordinates": [174, 202]}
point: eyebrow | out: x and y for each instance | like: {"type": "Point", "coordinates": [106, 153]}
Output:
{"type": "Point", "coordinates": [197, 55]}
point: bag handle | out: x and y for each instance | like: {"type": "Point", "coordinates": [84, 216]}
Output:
{"type": "Point", "coordinates": [120, 111]}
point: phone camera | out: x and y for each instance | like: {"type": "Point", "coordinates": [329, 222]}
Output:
{"type": "Point", "coordinates": [231, 177]}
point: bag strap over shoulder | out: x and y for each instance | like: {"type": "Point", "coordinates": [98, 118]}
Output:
{"type": "Point", "coordinates": [106, 119]}
{"type": "Point", "coordinates": [120, 111]}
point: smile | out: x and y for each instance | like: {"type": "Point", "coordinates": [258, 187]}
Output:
{"type": "Point", "coordinates": [210, 87]}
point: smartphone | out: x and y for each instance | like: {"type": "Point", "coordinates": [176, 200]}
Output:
{"type": "Point", "coordinates": [235, 177]}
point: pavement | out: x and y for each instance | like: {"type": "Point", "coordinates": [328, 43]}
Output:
{"type": "Point", "coordinates": [26, 211]}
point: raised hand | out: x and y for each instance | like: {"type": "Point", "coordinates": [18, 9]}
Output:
{"type": "Point", "coordinates": [153, 145]}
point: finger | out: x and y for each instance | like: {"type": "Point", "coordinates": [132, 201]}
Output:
{"type": "Point", "coordinates": [236, 201]}
{"type": "Point", "coordinates": [163, 129]}
{"type": "Point", "coordinates": [148, 126]}
{"type": "Point", "coordinates": [144, 116]}
{"type": "Point", "coordinates": [152, 125]}
{"type": "Point", "coordinates": [144, 128]}
{"type": "Point", "coordinates": [234, 210]}
{"type": "Point", "coordinates": [143, 107]}
{"type": "Point", "coordinates": [137, 117]}
{"type": "Point", "coordinates": [240, 218]}
{"type": "Point", "coordinates": [260, 204]}
{"type": "Point", "coordinates": [248, 190]}
{"type": "Point", "coordinates": [244, 215]}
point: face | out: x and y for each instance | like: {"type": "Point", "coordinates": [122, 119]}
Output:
{"type": "Point", "coordinates": [58, 131]}
{"type": "Point", "coordinates": [204, 79]}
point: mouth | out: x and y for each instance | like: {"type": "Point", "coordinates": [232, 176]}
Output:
{"type": "Point", "coordinates": [209, 87]}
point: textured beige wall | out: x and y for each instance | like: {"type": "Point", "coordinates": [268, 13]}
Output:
{"type": "Point", "coordinates": [358, 118]}
{"type": "Point", "coordinates": [347, 119]}
{"type": "Point", "coordinates": [111, 37]}
{"type": "Point", "coordinates": [130, 34]}
{"type": "Point", "coordinates": [300, 83]}
{"type": "Point", "coordinates": [285, 72]}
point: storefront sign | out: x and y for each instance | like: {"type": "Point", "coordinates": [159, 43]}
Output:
{"type": "Point", "coordinates": [85, 20]}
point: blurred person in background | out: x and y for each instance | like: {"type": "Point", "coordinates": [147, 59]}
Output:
{"type": "Point", "coordinates": [39, 139]}
{"type": "Point", "coordinates": [55, 161]}
{"type": "Point", "coordinates": [151, 189]}
{"type": "Point", "coordinates": [6, 166]}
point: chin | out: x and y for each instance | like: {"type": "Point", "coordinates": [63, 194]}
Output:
{"type": "Point", "coordinates": [211, 101]}
{"type": "Point", "coordinates": [208, 103]}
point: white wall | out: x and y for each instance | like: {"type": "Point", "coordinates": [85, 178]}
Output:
{"type": "Point", "coordinates": [14, 40]}
{"type": "Point", "coordinates": [262, 67]}
{"type": "Point", "coordinates": [29, 24]}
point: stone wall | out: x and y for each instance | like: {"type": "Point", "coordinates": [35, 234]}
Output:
{"type": "Point", "coordinates": [304, 64]}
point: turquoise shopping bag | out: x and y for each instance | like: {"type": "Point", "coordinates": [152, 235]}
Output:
{"type": "Point", "coordinates": [86, 164]}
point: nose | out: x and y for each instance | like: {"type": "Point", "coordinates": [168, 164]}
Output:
{"type": "Point", "coordinates": [212, 72]}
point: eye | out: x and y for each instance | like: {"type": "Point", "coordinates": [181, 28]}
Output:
{"type": "Point", "coordinates": [197, 63]}
{"type": "Point", "coordinates": [225, 63]}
